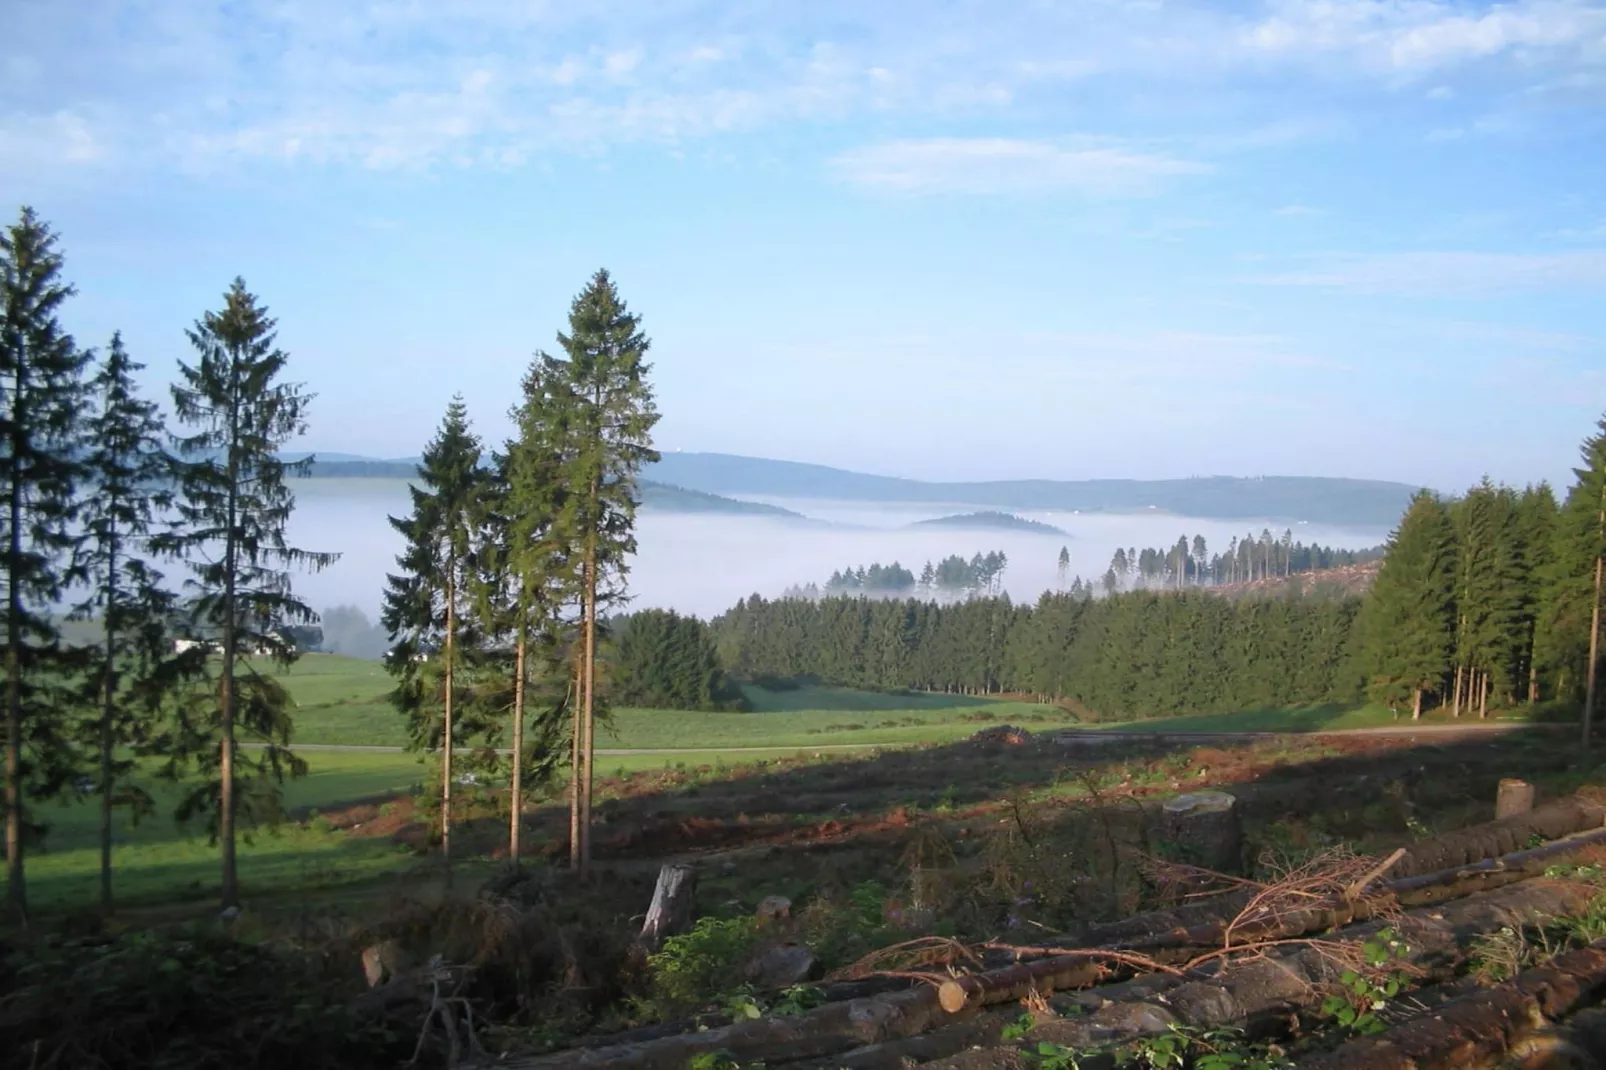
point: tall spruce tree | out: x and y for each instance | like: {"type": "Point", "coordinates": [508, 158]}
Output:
{"type": "Point", "coordinates": [603, 370]}
{"type": "Point", "coordinates": [425, 603]}
{"type": "Point", "coordinates": [234, 506]}
{"type": "Point", "coordinates": [540, 567]}
{"type": "Point", "coordinates": [41, 411]}
{"type": "Point", "coordinates": [131, 669]}
{"type": "Point", "coordinates": [1581, 553]}
{"type": "Point", "coordinates": [1407, 619]}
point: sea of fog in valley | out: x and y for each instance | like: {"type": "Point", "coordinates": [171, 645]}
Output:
{"type": "Point", "coordinates": [703, 563]}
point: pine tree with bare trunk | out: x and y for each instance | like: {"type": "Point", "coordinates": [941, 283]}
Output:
{"type": "Point", "coordinates": [602, 376]}
{"type": "Point", "coordinates": [41, 412]}
{"type": "Point", "coordinates": [425, 603]}
{"type": "Point", "coordinates": [234, 506]}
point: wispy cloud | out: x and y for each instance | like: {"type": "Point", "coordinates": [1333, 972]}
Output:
{"type": "Point", "coordinates": [1297, 211]}
{"type": "Point", "coordinates": [392, 82]}
{"type": "Point", "coordinates": [1451, 274]}
{"type": "Point", "coordinates": [1002, 165]}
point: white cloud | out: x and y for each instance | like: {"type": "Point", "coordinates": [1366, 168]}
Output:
{"type": "Point", "coordinates": [1452, 274]}
{"type": "Point", "coordinates": [200, 82]}
{"type": "Point", "coordinates": [1416, 37]}
{"type": "Point", "coordinates": [1292, 211]}
{"type": "Point", "coordinates": [1001, 165]}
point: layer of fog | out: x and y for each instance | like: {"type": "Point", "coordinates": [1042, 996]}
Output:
{"type": "Point", "coordinates": [703, 563]}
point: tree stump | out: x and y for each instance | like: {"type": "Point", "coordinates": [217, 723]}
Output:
{"type": "Point", "coordinates": [671, 910]}
{"type": "Point", "coordinates": [1204, 827]}
{"type": "Point", "coordinates": [1515, 797]}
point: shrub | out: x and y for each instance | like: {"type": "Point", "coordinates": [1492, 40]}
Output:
{"type": "Point", "coordinates": [702, 965]}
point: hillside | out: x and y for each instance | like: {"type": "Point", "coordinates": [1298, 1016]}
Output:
{"type": "Point", "coordinates": [654, 495]}
{"type": "Point", "coordinates": [990, 521]}
{"type": "Point", "coordinates": [1359, 502]}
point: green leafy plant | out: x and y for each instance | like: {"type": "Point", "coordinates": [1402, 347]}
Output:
{"type": "Point", "coordinates": [1355, 1007]}
{"type": "Point", "coordinates": [743, 1006]}
{"type": "Point", "coordinates": [696, 967]}
{"type": "Point", "coordinates": [1019, 1027]}
{"type": "Point", "coordinates": [1051, 1056]}
{"type": "Point", "coordinates": [798, 999]}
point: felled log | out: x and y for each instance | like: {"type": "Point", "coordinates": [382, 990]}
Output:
{"type": "Point", "coordinates": [1512, 798]}
{"type": "Point", "coordinates": [1261, 985]}
{"type": "Point", "coordinates": [1485, 1028]}
{"type": "Point", "coordinates": [1549, 821]}
{"type": "Point", "coordinates": [1267, 989]}
{"type": "Point", "coordinates": [673, 899]}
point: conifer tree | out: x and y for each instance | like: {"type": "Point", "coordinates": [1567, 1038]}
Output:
{"type": "Point", "coordinates": [540, 566]}
{"type": "Point", "coordinates": [1581, 554]}
{"type": "Point", "coordinates": [1406, 622]}
{"type": "Point", "coordinates": [1064, 565]}
{"type": "Point", "coordinates": [41, 408]}
{"type": "Point", "coordinates": [603, 369]}
{"type": "Point", "coordinates": [425, 603]}
{"type": "Point", "coordinates": [130, 473]}
{"type": "Point", "coordinates": [234, 506]}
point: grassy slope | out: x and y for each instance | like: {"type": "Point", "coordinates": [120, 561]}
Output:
{"type": "Point", "coordinates": [344, 701]}
{"type": "Point", "coordinates": [155, 857]}
{"type": "Point", "coordinates": [1327, 718]}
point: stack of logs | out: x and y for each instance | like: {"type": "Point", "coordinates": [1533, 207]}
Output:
{"type": "Point", "coordinates": [1143, 975]}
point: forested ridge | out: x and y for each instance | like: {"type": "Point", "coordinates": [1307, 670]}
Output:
{"type": "Point", "coordinates": [1485, 600]}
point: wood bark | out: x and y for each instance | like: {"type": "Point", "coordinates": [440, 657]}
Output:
{"type": "Point", "coordinates": [1484, 1028]}
{"type": "Point", "coordinates": [107, 708]}
{"type": "Point", "coordinates": [226, 696]}
{"type": "Point", "coordinates": [1594, 643]}
{"type": "Point", "coordinates": [673, 901]}
{"type": "Point", "coordinates": [16, 889]}
{"type": "Point", "coordinates": [1514, 797]}
{"type": "Point", "coordinates": [516, 790]}
{"type": "Point", "coordinates": [1206, 826]}
{"type": "Point", "coordinates": [589, 700]}
{"type": "Point", "coordinates": [1455, 707]}
{"type": "Point", "coordinates": [575, 734]}
{"type": "Point", "coordinates": [1416, 704]}
{"type": "Point", "coordinates": [446, 723]}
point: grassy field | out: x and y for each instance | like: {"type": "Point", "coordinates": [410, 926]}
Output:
{"type": "Point", "coordinates": [344, 701]}
{"type": "Point", "coordinates": [1329, 718]}
{"type": "Point", "coordinates": [156, 860]}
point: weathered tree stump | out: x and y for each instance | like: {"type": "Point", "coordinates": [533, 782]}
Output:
{"type": "Point", "coordinates": [1205, 828]}
{"type": "Point", "coordinates": [1514, 797]}
{"type": "Point", "coordinates": [672, 903]}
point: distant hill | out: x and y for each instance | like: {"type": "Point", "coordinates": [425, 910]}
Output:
{"type": "Point", "coordinates": [1322, 500]}
{"type": "Point", "coordinates": [992, 521]}
{"type": "Point", "coordinates": [672, 499]}
{"type": "Point", "coordinates": [654, 495]}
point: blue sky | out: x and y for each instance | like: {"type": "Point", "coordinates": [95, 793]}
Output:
{"type": "Point", "coordinates": [936, 239]}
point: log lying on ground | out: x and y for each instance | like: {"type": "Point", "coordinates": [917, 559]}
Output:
{"type": "Point", "coordinates": [1421, 890]}
{"type": "Point", "coordinates": [1552, 820]}
{"type": "Point", "coordinates": [1257, 990]}
{"type": "Point", "coordinates": [1484, 1028]}
{"type": "Point", "coordinates": [1438, 939]}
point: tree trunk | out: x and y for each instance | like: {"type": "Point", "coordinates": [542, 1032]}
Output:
{"type": "Point", "coordinates": [1483, 696]}
{"type": "Point", "coordinates": [590, 669]}
{"type": "Point", "coordinates": [16, 890]}
{"type": "Point", "coordinates": [673, 899]}
{"type": "Point", "coordinates": [1533, 667]}
{"type": "Point", "coordinates": [1594, 645]}
{"type": "Point", "coordinates": [108, 701]}
{"type": "Point", "coordinates": [516, 793]}
{"type": "Point", "coordinates": [449, 652]}
{"type": "Point", "coordinates": [1455, 708]}
{"type": "Point", "coordinates": [1416, 705]}
{"type": "Point", "coordinates": [575, 734]}
{"type": "Point", "coordinates": [226, 696]}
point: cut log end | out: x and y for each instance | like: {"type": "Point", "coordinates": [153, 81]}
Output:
{"type": "Point", "coordinates": [952, 997]}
